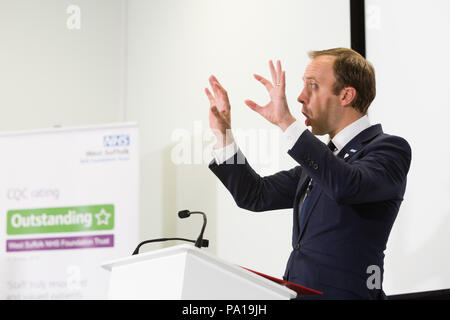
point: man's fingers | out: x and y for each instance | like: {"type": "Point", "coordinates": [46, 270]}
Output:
{"type": "Point", "coordinates": [216, 86]}
{"type": "Point", "coordinates": [253, 106]}
{"type": "Point", "coordinates": [212, 101]}
{"type": "Point", "coordinates": [220, 95]}
{"type": "Point", "coordinates": [216, 81]}
{"type": "Point", "coordinates": [273, 73]}
{"type": "Point", "coordinates": [279, 71]}
{"type": "Point", "coordinates": [264, 81]}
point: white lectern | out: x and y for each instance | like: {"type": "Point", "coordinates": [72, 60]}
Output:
{"type": "Point", "coordinates": [186, 272]}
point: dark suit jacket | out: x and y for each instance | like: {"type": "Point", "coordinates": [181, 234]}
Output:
{"type": "Point", "coordinates": [349, 214]}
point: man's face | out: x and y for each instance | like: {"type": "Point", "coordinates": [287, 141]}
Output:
{"type": "Point", "coordinates": [320, 104]}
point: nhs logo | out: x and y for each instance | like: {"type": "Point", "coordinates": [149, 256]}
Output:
{"type": "Point", "coordinates": [119, 140]}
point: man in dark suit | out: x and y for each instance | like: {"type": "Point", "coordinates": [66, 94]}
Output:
{"type": "Point", "coordinates": [345, 195]}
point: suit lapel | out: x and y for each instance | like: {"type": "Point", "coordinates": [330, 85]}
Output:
{"type": "Point", "coordinates": [301, 188]}
{"type": "Point", "coordinates": [314, 195]}
{"type": "Point", "coordinates": [358, 142]}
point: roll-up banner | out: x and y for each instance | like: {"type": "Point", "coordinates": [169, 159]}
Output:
{"type": "Point", "coordinates": [69, 201]}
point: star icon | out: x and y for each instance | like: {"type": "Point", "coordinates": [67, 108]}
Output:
{"type": "Point", "coordinates": [102, 217]}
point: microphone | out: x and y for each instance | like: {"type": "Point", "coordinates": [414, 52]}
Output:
{"type": "Point", "coordinates": [183, 214]}
{"type": "Point", "coordinates": [200, 242]}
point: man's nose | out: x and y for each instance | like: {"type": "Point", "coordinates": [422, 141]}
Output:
{"type": "Point", "coordinates": [302, 98]}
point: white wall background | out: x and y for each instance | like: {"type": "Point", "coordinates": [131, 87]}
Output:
{"type": "Point", "coordinates": [51, 75]}
{"type": "Point", "coordinates": [173, 47]}
{"type": "Point", "coordinates": [407, 42]}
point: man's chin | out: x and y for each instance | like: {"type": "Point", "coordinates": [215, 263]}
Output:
{"type": "Point", "coordinates": [317, 131]}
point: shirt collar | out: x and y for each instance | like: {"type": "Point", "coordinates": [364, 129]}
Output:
{"type": "Point", "coordinates": [349, 132]}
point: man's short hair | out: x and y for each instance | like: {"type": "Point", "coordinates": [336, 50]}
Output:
{"type": "Point", "coordinates": [352, 70]}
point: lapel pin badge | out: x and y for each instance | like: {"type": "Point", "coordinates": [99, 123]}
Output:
{"type": "Point", "coordinates": [353, 150]}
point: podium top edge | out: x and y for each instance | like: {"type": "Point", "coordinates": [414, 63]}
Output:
{"type": "Point", "coordinates": [149, 255]}
{"type": "Point", "coordinates": [211, 258]}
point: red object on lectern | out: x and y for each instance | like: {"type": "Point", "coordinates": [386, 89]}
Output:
{"type": "Point", "coordinates": [301, 290]}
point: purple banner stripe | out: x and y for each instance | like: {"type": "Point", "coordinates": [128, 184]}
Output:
{"type": "Point", "coordinates": [65, 243]}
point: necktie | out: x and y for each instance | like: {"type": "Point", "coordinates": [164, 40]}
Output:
{"type": "Point", "coordinates": [333, 148]}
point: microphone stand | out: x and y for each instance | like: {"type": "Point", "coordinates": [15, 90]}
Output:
{"type": "Point", "coordinates": [199, 243]}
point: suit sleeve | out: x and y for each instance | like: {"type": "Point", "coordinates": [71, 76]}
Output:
{"type": "Point", "coordinates": [253, 192]}
{"type": "Point", "coordinates": [378, 175]}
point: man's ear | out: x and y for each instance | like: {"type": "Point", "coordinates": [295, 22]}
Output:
{"type": "Point", "coordinates": [348, 95]}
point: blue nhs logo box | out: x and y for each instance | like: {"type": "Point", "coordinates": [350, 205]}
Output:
{"type": "Point", "coordinates": [116, 140]}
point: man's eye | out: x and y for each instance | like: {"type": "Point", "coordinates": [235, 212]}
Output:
{"type": "Point", "coordinates": [312, 85]}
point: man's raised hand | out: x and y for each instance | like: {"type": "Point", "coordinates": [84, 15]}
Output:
{"type": "Point", "coordinates": [219, 112]}
{"type": "Point", "coordinates": [277, 110]}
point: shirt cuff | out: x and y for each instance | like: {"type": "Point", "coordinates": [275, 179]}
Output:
{"type": "Point", "coordinates": [223, 154]}
{"type": "Point", "coordinates": [292, 133]}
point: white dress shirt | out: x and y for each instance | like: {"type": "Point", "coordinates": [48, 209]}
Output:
{"type": "Point", "coordinates": [349, 132]}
